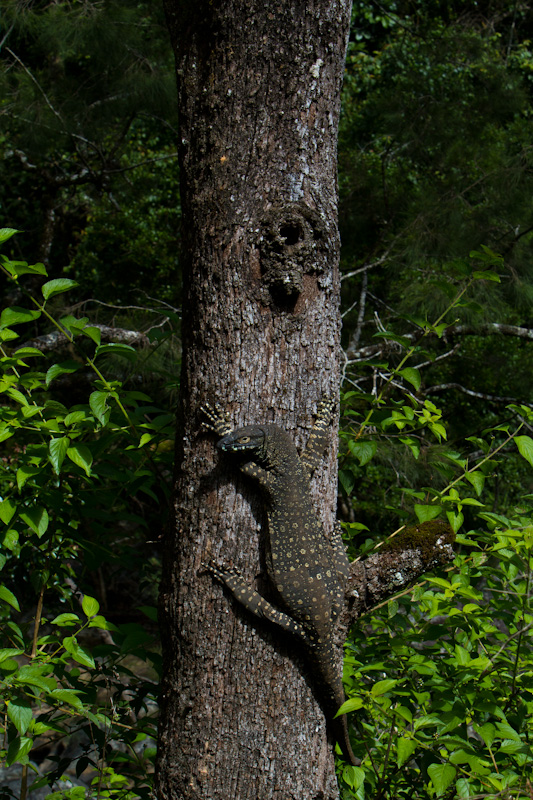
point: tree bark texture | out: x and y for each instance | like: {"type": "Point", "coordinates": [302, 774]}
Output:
{"type": "Point", "coordinates": [259, 96]}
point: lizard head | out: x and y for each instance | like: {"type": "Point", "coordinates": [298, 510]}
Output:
{"type": "Point", "coordinates": [250, 439]}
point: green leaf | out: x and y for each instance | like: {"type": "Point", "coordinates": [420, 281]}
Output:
{"type": "Point", "coordinates": [10, 539]}
{"type": "Point", "coordinates": [7, 233]}
{"type": "Point", "coordinates": [425, 513]}
{"type": "Point", "coordinates": [477, 479]}
{"type": "Point", "coordinates": [65, 620]}
{"type": "Point", "coordinates": [102, 624]}
{"type": "Point", "coordinates": [381, 687]}
{"type": "Point", "coordinates": [7, 335]}
{"type": "Point", "coordinates": [363, 451]}
{"type": "Point", "coordinates": [525, 447]}
{"type": "Point", "coordinates": [14, 394]}
{"type": "Point", "coordinates": [441, 776]}
{"type": "Point", "coordinates": [82, 457]}
{"type": "Point", "coordinates": [26, 472]}
{"type": "Point", "coordinates": [487, 732]}
{"type": "Point", "coordinates": [508, 732]}
{"type": "Point", "coordinates": [9, 652]}
{"type": "Point", "coordinates": [486, 275]}
{"type": "Point", "coordinates": [9, 597]}
{"type": "Point", "coordinates": [393, 337]}
{"type": "Point", "coordinates": [93, 333]}
{"type": "Point", "coordinates": [354, 777]}
{"type": "Point", "coordinates": [72, 325]}
{"type": "Point", "coordinates": [99, 406]}
{"type": "Point", "coordinates": [90, 606]}
{"type": "Point", "coordinates": [455, 519]}
{"type": "Point", "coordinates": [18, 268]}
{"type": "Point", "coordinates": [439, 582]}
{"type": "Point", "coordinates": [7, 511]}
{"type": "Point", "coordinates": [18, 750]}
{"type": "Point", "coordinates": [58, 450]}
{"type": "Point", "coordinates": [117, 349]}
{"type": "Point", "coordinates": [36, 518]}
{"type": "Point", "coordinates": [77, 652]}
{"type": "Point", "coordinates": [16, 316]}
{"type": "Point", "coordinates": [413, 446]}
{"type": "Point", "coordinates": [347, 480]}
{"type": "Point", "coordinates": [406, 748]}
{"type": "Point", "coordinates": [74, 417]}
{"type": "Point", "coordinates": [32, 675]}
{"type": "Point", "coordinates": [150, 611]}
{"type": "Point", "coordinates": [412, 375]}
{"type": "Point", "coordinates": [511, 746]}
{"type": "Point", "coordinates": [57, 286]}
{"type": "Point", "coordinates": [64, 368]}
{"type": "Point", "coordinates": [67, 696]}
{"type": "Point", "coordinates": [438, 429]}
{"type": "Point", "coordinates": [353, 704]}
{"type": "Point", "coordinates": [20, 713]}
{"type": "Point", "coordinates": [28, 352]}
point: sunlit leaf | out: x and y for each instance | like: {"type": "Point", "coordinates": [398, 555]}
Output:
{"type": "Point", "coordinates": [425, 513]}
{"type": "Point", "coordinates": [20, 713]}
{"type": "Point", "coordinates": [81, 456]}
{"type": "Point", "coordinates": [90, 606]}
{"type": "Point", "coordinates": [9, 597]}
{"type": "Point", "coordinates": [58, 450]}
{"type": "Point", "coordinates": [412, 375]}
{"type": "Point", "coordinates": [36, 518]}
{"type": "Point", "coordinates": [441, 776]}
{"type": "Point", "coordinates": [57, 286]}
{"type": "Point", "coordinates": [405, 749]}
{"type": "Point", "coordinates": [16, 316]}
{"type": "Point", "coordinates": [525, 447]}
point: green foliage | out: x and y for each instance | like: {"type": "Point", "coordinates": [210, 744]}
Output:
{"type": "Point", "coordinates": [435, 162]}
{"type": "Point", "coordinates": [88, 141]}
{"type": "Point", "coordinates": [439, 678]}
{"type": "Point", "coordinates": [67, 477]}
{"type": "Point", "coordinates": [456, 707]}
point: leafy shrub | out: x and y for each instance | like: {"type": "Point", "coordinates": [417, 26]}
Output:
{"type": "Point", "coordinates": [67, 478]}
{"type": "Point", "coordinates": [439, 677]}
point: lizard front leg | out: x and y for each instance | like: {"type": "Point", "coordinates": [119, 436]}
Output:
{"type": "Point", "coordinates": [318, 437]}
{"type": "Point", "coordinates": [217, 420]}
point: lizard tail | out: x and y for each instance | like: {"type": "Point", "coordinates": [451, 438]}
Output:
{"type": "Point", "coordinates": [339, 728]}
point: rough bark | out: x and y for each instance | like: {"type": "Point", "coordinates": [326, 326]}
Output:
{"type": "Point", "coordinates": [259, 95]}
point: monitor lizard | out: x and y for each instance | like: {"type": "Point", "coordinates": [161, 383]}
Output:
{"type": "Point", "coordinates": [307, 569]}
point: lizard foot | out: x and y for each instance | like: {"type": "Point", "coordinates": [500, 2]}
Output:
{"type": "Point", "coordinates": [217, 420]}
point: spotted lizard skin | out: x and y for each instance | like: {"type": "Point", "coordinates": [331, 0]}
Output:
{"type": "Point", "coordinates": [307, 570]}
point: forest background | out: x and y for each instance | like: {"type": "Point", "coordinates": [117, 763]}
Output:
{"type": "Point", "coordinates": [435, 180]}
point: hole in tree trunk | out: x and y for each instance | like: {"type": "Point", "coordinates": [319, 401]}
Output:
{"type": "Point", "coordinates": [291, 233]}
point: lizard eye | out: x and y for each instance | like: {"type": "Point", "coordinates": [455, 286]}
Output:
{"type": "Point", "coordinates": [244, 439]}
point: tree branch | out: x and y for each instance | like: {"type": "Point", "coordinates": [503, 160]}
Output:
{"type": "Point", "coordinates": [56, 340]}
{"type": "Point", "coordinates": [398, 563]}
{"type": "Point", "coordinates": [493, 398]}
{"type": "Point", "coordinates": [485, 329]}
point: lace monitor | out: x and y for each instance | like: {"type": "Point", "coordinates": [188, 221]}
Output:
{"type": "Point", "coordinates": [307, 570]}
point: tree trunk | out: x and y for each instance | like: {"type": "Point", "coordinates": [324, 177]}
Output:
{"type": "Point", "coordinates": [259, 95]}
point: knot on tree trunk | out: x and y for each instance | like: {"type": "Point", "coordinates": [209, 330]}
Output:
{"type": "Point", "coordinates": [291, 235]}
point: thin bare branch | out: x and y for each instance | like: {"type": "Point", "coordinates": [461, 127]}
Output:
{"type": "Point", "coordinates": [493, 398]}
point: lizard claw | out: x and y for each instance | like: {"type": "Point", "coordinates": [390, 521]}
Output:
{"type": "Point", "coordinates": [217, 420]}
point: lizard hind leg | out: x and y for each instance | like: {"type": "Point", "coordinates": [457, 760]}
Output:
{"type": "Point", "coordinates": [253, 602]}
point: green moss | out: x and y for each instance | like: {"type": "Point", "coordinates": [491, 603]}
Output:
{"type": "Point", "coordinates": [422, 537]}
